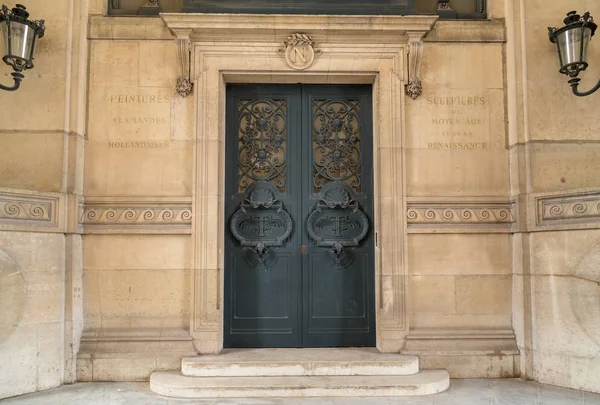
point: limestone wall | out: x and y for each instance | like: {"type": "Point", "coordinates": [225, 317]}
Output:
{"type": "Point", "coordinates": [137, 214]}
{"type": "Point", "coordinates": [459, 208]}
{"type": "Point", "coordinates": [41, 139]}
{"type": "Point", "coordinates": [555, 166]}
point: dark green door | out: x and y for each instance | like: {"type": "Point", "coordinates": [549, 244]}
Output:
{"type": "Point", "coordinates": [299, 259]}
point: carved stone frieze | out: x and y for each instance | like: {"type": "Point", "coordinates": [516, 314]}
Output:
{"type": "Point", "coordinates": [23, 207]}
{"type": "Point", "coordinates": [299, 51]}
{"type": "Point", "coordinates": [568, 208]}
{"type": "Point", "coordinates": [460, 213]}
{"type": "Point", "coordinates": [119, 216]}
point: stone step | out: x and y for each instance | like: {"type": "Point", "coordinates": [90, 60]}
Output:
{"type": "Point", "coordinates": [173, 384]}
{"type": "Point", "coordinates": [299, 362]}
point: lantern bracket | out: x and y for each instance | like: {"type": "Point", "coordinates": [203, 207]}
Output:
{"type": "Point", "coordinates": [575, 82]}
{"type": "Point", "coordinates": [17, 78]}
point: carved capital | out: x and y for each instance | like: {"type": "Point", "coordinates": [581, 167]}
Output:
{"type": "Point", "coordinates": [414, 87]}
{"type": "Point", "coordinates": [184, 86]}
{"type": "Point", "coordinates": [299, 51]}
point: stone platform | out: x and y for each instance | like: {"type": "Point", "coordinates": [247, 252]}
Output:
{"type": "Point", "coordinates": [299, 373]}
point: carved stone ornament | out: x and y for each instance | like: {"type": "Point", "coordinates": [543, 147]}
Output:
{"type": "Point", "coordinates": [444, 10]}
{"type": "Point", "coordinates": [414, 88]}
{"type": "Point", "coordinates": [299, 51]}
{"type": "Point", "coordinates": [443, 4]}
{"type": "Point", "coordinates": [184, 86]}
{"type": "Point", "coordinates": [150, 8]}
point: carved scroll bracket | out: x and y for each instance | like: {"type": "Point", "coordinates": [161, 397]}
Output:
{"type": "Point", "coordinates": [414, 88]}
{"type": "Point", "coordinates": [184, 86]}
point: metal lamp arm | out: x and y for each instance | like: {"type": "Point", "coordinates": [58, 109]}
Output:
{"type": "Point", "coordinates": [17, 77]}
{"type": "Point", "coordinates": [575, 82]}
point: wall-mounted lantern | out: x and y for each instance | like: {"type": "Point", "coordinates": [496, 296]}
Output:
{"type": "Point", "coordinates": [18, 41]}
{"type": "Point", "coordinates": [572, 42]}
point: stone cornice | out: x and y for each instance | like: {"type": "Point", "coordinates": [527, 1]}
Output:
{"type": "Point", "coordinates": [254, 24]}
{"type": "Point", "coordinates": [137, 215]}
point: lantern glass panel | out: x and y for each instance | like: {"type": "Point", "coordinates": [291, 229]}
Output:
{"type": "Point", "coordinates": [21, 42]}
{"type": "Point", "coordinates": [569, 45]}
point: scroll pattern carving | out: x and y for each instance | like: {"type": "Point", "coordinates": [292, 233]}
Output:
{"type": "Point", "coordinates": [27, 208]}
{"type": "Point", "coordinates": [136, 214]}
{"type": "Point", "coordinates": [460, 213]}
{"type": "Point", "coordinates": [568, 208]}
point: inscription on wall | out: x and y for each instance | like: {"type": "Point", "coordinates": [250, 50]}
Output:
{"type": "Point", "coordinates": [134, 117]}
{"type": "Point", "coordinates": [454, 120]}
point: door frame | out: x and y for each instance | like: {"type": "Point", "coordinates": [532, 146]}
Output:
{"type": "Point", "coordinates": [350, 50]}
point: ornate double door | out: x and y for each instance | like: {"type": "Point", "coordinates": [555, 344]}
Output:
{"type": "Point", "coordinates": [299, 259]}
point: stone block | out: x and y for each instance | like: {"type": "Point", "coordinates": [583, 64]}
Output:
{"type": "Point", "coordinates": [45, 303]}
{"type": "Point", "coordinates": [559, 253]}
{"type": "Point", "coordinates": [474, 366]}
{"type": "Point", "coordinates": [137, 252]}
{"type": "Point", "coordinates": [158, 64]}
{"type": "Point", "coordinates": [19, 355]}
{"type": "Point", "coordinates": [123, 369]}
{"type": "Point", "coordinates": [31, 161]}
{"type": "Point", "coordinates": [566, 316]}
{"type": "Point", "coordinates": [134, 297]}
{"type": "Point", "coordinates": [130, 114]}
{"type": "Point", "coordinates": [140, 169]}
{"type": "Point", "coordinates": [432, 294]}
{"type": "Point", "coordinates": [114, 63]}
{"type": "Point", "coordinates": [449, 254]}
{"type": "Point", "coordinates": [457, 172]}
{"type": "Point", "coordinates": [465, 66]}
{"type": "Point", "coordinates": [484, 295]}
{"type": "Point", "coordinates": [50, 359]}
{"type": "Point", "coordinates": [564, 166]}
{"type": "Point", "coordinates": [460, 321]}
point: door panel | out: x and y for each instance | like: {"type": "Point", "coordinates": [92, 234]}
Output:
{"type": "Point", "coordinates": [262, 269]}
{"type": "Point", "coordinates": [338, 298]}
{"type": "Point", "coordinates": [299, 268]}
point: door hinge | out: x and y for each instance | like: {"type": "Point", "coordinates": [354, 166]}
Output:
{"type": "Point", "coordinates": [376, 239]}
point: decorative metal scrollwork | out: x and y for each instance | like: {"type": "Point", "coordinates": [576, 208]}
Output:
{"type": "Point", "coordinates": [261, 222]}
{"type": "Point", "coordinates": [338, 222]}
{"type": "Point", "coordinates": [262, 143]}
{"type": "Point", "coordinates": [336, 143]}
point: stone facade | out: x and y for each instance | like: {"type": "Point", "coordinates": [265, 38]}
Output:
{"type": "Point", "coordinates": [111, 190]}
